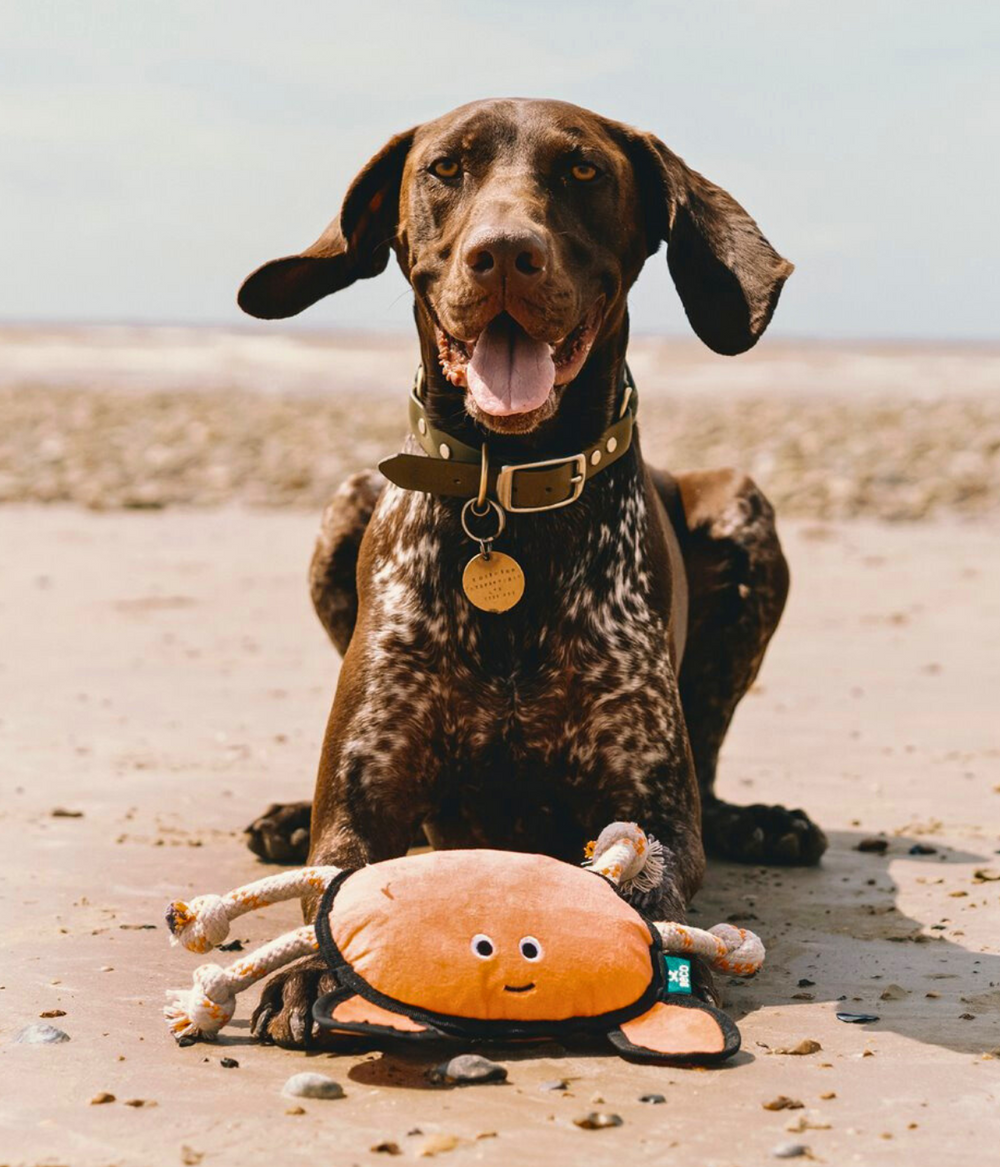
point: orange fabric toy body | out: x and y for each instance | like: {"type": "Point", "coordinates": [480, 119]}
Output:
{"type": "Point", "coordinates": [489, 945]}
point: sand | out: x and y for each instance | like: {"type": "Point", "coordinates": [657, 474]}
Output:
{"type": "Point", "coordinates": [163, 678]}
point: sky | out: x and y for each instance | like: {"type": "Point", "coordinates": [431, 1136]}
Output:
{"type": "Point", "coordinates": [152, 154]}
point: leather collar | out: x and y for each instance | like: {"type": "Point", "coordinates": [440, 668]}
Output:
{"type": "Point", "coordinates": [462, 471]}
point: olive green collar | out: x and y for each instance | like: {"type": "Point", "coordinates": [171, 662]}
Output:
{"type": "Point", "coordinates": [454, 468]}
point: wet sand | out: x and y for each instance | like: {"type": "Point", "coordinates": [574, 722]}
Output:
{"type": "Point", "coordinates": [163, 678]}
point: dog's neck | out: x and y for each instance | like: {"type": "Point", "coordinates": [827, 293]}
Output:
{"type": "Point", "coordinates": [588, 406]}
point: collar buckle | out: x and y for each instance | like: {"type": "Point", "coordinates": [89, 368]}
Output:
{"type": "Point", "coordinates": [505, 483]}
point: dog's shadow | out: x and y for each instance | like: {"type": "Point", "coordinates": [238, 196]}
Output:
{"type": "Point", "coordinates": [835, 934]}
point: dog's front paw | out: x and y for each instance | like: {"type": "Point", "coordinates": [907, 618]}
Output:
{"type": "Point", "coordinates": [281, 834]}
{"type": "Point", "coordinates": [284, 1016]}
{"type": "Point", "coordinates": [761, 834]}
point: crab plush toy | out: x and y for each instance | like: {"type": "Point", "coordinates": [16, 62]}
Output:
{"type": "Point", "coordinates": [485, 945]}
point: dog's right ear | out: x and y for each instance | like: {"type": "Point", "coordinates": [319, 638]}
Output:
{"type": "Point", "coordinates": [355, 246]}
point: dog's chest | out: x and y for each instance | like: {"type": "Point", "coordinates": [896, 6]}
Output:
{"type": "Point", "coordinates": [578, 673]}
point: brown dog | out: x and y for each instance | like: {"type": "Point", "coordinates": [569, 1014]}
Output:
{"type": "Point", "coordinates": [648, 600]}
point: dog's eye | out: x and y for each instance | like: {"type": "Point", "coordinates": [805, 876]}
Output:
{"type": "Point", "coordinates": [445, 168]}
{"type": "Point", "coordinates": [530, 948]}
{"type": "Point", "coordinates": [584, 172]}
{"type": "Point", "coordinates": [482, 946]}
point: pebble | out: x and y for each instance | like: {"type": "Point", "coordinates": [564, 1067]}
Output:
{"type": "Point", "coordinates": [229, 1063]}
{"type": "Point", "coordinates": [41, 1035]}
{"type": "Point", "coordinates": [53, 1013]}
{"type": "Point", "coordinates": [437, 1145]}
{"type": "Point", "coordinates": [386, 1148]}
{"type": "Point", "coordinates": [101, 1098]}
{"type": "Point", "coordinates": [468, 1070]}
{"type": "Point", "coordinates": [790, 1151]}
{"type": "Point", "coordinates": [598, 1120]}
{"type": "Point", "coordinates": [312, 1085]}
{"type": "Point", "coordinates": [555, 1084]}
{"type": "Point", "coordinates": [922, 849]}
{"type": "Point", "coordinates": [875, 845]}
{"type": "Point", "coordinates": [857, 1018]}
{"type": "Point", "coordinates": [805, 1047]}
{"type": "Point", "coordinates": [783, 1102]}
{"type": "Point", "coordinates": [653, 1099]}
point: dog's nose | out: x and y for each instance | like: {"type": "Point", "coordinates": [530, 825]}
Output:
{"type": "Point", "coordinates": [496, 255]}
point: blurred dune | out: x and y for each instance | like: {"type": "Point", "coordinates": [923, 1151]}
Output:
{"type": "Point", "coordinates": [149, 417]}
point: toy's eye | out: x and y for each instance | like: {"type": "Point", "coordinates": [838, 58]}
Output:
{"type": "Point", "coordinates": [482, 946]}
{"type": "Point", "coordinates": [584, 172]}
{"type": "Point", "coordinates": [531, 949]}
{"type": "Point", "coordinates": [445, 168]}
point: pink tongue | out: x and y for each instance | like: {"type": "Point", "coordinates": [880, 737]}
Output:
{"type": "Point", "coordinates": [509, 372]}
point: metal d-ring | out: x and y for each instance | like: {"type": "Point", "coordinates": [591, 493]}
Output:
{"type": "Point", "coordinates": [490, 505]}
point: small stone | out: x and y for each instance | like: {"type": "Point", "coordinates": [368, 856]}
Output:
{"type": "Point", "coordinates": [467, 1070]}
{"type": "Point", "coordinates": [232, 946]}
{"type": "Point", "coordinates": [653, 1099]}
{"type": "Point", "coordinates": [985, 875]}
{"type": "Point", "coordinates": [312, 1085]}
{"type": "Point", "coordinates": [828, 1095]}
{"type": "Point", "coordinates": [437, 1145]}
{"type": "Point", "coordinates": [966, 1016]}
{"type": "Point", "coordinates": [386, 1148]}
{"type": "Point", "coordinates": [101, 1098]}
{"type": "Point", "coordinates": [555, 1084]}
{"type": "Point", "coordinates": [296, 1110]}
{"type": "Point", "coordinates": [857, 1018]}
{"type": "Point", "coordinates": [597, 1120]}
{"type": "Point", "coordinates": [803, 996]}
{"type": "Point", "coordinates": [805, 983]}
{"type": "Point", "coordinates": [873, 845]}
{"type": "Point", "coordinates": [41, 1035]}
{"type": "Point", "coordinates": [190, 1157]}
{"type": "Point", "coordinates": [60, 812]}
{"type": "Point", "coordinates": [229, 1063]}
{"type": "Point", "coordinates": [893, 993]}
{"type": "Point", "coordinates": [597, 1099]}
{"type": "Point", "coordinates": [790, 1151]}
{"type": "Point", "coordinates": [783, 1102]}
{"type": "Point", "coordinates": [805, 1047]}
{"type": "Point", "coordinates": [137, 1102]}
{"type": "Point", "coordinates": [922, 849]}
{"type": "Point", "coordinates": [53, 1013]}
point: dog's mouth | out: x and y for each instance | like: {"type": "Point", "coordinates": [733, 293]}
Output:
{"type": "Point", "coordinates": [519, 988]}
{"type": "Point", "coordinates": [508, 371]}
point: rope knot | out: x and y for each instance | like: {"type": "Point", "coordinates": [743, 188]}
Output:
{"type": "Point", "coordinates": [200, 925]}
{"type": "Point", "coordinates": [626, 855]}
{"type": "Point", "coordinates": [205, 1008]}
{"type": "Point", "coordinates": [744, 950]}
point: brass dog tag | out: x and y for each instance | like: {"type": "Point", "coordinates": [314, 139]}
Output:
{"type": "Point", "coordinates": [494, 584]}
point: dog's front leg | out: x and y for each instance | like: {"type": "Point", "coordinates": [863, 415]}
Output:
{"type": "Point", "coordinates": [375, 773]}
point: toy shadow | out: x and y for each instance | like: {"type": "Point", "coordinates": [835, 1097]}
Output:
{"type": "Point", "coordinates": [839, 928]}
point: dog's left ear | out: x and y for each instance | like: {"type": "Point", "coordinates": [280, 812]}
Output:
{"type": "Point", "coordinates": [355, 246]}
{"type": "Point", "coordinates": [726, 273]}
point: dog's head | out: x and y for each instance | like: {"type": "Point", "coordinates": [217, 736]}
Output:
{"type": "Point", "coordinates": [521, 225]}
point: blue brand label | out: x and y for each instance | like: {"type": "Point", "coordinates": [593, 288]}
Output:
{"type": "Point", "coordinates": [677, 974]}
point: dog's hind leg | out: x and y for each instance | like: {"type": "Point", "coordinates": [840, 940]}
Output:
{"type": "Point", "coordinates": [333, 581]}
{"type": "Point", "coordinates": [738, 583]}
{"type": "Point", "coordinates": [281, 833]}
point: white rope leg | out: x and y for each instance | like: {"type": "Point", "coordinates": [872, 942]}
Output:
{"type": "Point", "coordinates": [737, 951]}
{"type": "Point", "coordinates": [209, 1004]}
{"type": "Point", "coordinates": [203, 923]}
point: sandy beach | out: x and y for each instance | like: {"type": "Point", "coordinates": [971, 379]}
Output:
{"type": "Point", "coordinates": [163, 678]}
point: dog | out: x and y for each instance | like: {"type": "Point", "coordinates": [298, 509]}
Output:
{"type": "Point", "coordinates": [648, 600]}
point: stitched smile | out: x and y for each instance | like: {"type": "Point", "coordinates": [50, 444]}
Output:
{"type": "Point", "coordinates": [518, 988]}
